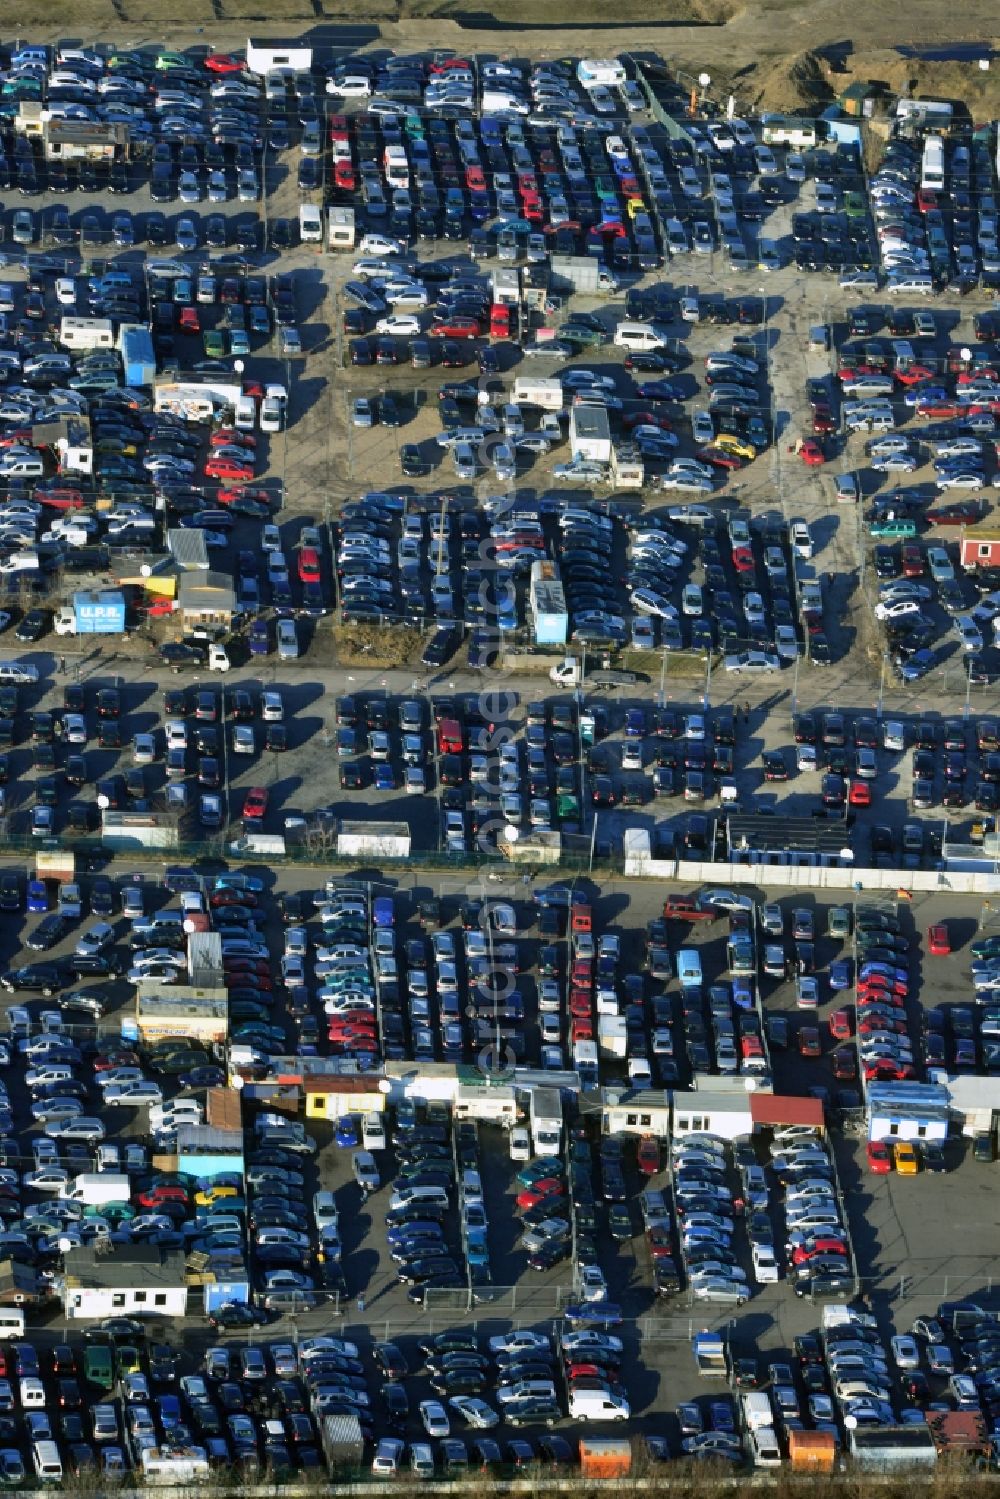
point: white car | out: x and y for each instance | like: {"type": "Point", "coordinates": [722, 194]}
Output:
{"type": "Point", "coordinates": [176, 733]}
{"type": "Point", "coordinates": [896, 608]}
{"type": "Point", "coordinates": [272, 709]}
{"type": "Point", "coordinates": [593, 1286]}
{"type": "Point", "coordinates": [244, 739]}
{"type": "Point", "coordinates": [580, 470]}
{"type": "Point", "coordinates": [960, 481]}
{"type": "Point", "coordinates": [740, 661]}
{"type": "Point", "coordinates": [968, 632]}
{"type": "Point", "coordinates": [405, 324]}
{"type": "Point", "coordinates": [524, 1341]}
{"type": "Point", "coordinates": [905, 1351]}
{"type": "Point", "coordinates": [434, 1418]}
{"type": "Point", "coordinates": [132, 1094]}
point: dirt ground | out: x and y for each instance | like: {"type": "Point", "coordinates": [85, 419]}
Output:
{"type": "Point", "coordinates": [773, 54]}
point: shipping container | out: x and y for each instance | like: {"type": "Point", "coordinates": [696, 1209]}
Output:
{"type": "Point", "coordinates": [605, 1457]}
{"type": "Point", "coordinates": [812, 1451]}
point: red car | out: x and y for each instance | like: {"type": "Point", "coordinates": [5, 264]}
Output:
{"type": "Point", "coordinates": [751, 1046]}
{"type": "Point", "coordinates": [840, 1025]}
{"type": "Point", "coordinates": [499, 321]}
{"type": "Point", "coordinates": [683, 908]}
{"type": "Point", "coordinates": [188, 320]}
{"type": "Point", "coordinates": [447, 64]}
{"type": "Point", "coordinates": [546, 1190]}
{"type": "Point", "coordinates": [938, 940]}
{"type": "Point", "coordinates": [165, 1192]}
{"type": "Point", "coordinates": [879, 1159]}
{"type": "Point", "coordinates": [343, 175]}
{"type": "Point", "coordinates": [109, 1059]}
{"type": "Point", "coordinates": [823, 421]}
{"type": "Point", "coordinates": [255, 803]}
{"type": "Point", "coordinates": [915, 374]}
{"type": "Point", "coordinates": [845, 1068]}
{"type": "Point", "coordinates": [648, 1155]}
{"type": "Point", "coordinates": [224, 62]}
{"type": "Point", "coordinates": [720, 458]}
{"type": "Point", "coordinates": [743, 559]}
{"type": "Point", "coordinates": [308, 565]}
{"type": "Point", "coordinates": [60, 499]}
{"type": "Point", "coordinates": [223, 435]}
{"type": "Point", "coordinates": [456, 328]}
{"type": "Point", "coordinates": [230, 496]}
{"type": "Point", "coordinates": [228, 468]}
{"type": "Point", "coordinates": [581, 1029]}
{"type": "Point", "coordinates": [809, 1042]}
{"type": "Point", "coordinates": [811, 453]}
{"type": "Point", "coordinates": [860, 794]}
{"type": "Point", "coordinates": [474, 179]}
{"type": "Point", "coordinates": [645, 419]}
{"type": "Point", "coordinates": [580, 1006]}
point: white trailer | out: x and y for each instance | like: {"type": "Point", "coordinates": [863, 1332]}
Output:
{"type": "Point", "coordinates": [341, 232]}
{"type": "Point", "coordinates": [373, 840]}
{"type": "Point", "coordinates": [546, 394]}
{"type": "Point", "coordinates": [267, 56]}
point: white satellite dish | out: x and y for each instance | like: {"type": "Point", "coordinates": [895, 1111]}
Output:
{"type": "Point", "coordinates": [511, 834]}
{"type": "Point", "coordinates": [704, 79]}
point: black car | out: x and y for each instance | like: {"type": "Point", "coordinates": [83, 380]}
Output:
{"type": "Point", "coordinates": [50, 930]}
{"type": "Point", "coordinates": [46, 978]}
{"type": "Point", "coordinates": [235, 1313]}
{"type": "Point", "coordinates": [10, 892]}
{"type": "Point", "coordinates": [440, 647]}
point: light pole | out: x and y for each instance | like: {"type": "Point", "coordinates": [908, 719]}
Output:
{"type": "Point", "coordinates": [708, 681]}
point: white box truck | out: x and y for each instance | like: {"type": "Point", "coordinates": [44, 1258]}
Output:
{"type": "Point", "coordinates": [757, 1412]}
{"type": "Point", "coordinates": [98, 1187]}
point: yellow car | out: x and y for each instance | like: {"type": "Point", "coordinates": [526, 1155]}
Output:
{"type": "Point", "coordinates": [907, 1160]}
{"type": "Point", "coordinates": [735, 445]}
{"type": "Point", "coordinates": [209, 1195]}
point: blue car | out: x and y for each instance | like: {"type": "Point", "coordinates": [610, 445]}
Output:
{"type": "Point", "coordinates": [260, 638]}
{"type": "Point", "coordinates": [38, 895]}
{"type": "Point", "coordinates": [385, 779]}
{"type": "Point", "coordinates": [917, 666]}
{"type": "Point", "coordinates": [661, 390]}
{"type": "Point", "coordinates": [348, 1134]}
{"type": "Point", "coordinates": [840, 974]}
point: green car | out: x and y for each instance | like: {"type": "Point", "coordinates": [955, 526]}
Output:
{"type": "Point", "coordinates": [215, 344]}
{"type": "Point", "coordinates": [540, 1170]}
{"type": "Point", "coordinates": [567, 805]}
{"type": "Point", "coordinates": [575, 333]}
{"type": "Point", "coordinates": [986, 947]}
{"type": "Point", "coordinates": [98, 1368]}
{"type": "Point", "coordinates": [167, 60]}
{"type": "Point", "coordinates": [411, 461]}
{"type": "Point", "coordinates": [892, 529]}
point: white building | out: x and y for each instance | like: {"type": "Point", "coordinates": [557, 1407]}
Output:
{"type": "Point", "coordinates": [636, 1113]}
{"type": "Point", "coordinates": [908, 1111]}
{"type": "Point", "coordinates": [142, 1281]}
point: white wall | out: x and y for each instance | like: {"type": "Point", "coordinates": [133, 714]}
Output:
{"type": "Point", "coordinates": [263, 56]}
{"type": "Point", "coordinates": [808, 877]}
{"type": "Point", "coordinates": [880, 1127]}
{"type": "Point", "coordinates": [690, 1117]}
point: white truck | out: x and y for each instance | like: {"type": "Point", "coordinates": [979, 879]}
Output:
{"type": "Point", "coordinates": [65, 621]}
{"type": "Point", "coordinates": [569, 673]}
{"type": "Point", "coordinates": [546, 1121]}
{"type": "Point", "coordinates": [95, 1188]}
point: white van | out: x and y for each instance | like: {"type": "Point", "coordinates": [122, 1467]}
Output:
{"type": "Point", "coordinates": [11, 1323]}
{"type": "Point", "coordinates": [764, 1448]}
{"type": "Point", "coordinates": [597, 1405]}
{"type": "Point", "coordinates": [32, 1393]}
{"type": "Point", "coordinates": [689, 968]}
{"type": "Point", "coordinates": [245, 419]}
{"type": "Point", "coordinates": [310, 224]}
{"type": "Point", "coordinates": [46, 1462]}
{"type": "Point", "coordinates": [638, 336]}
